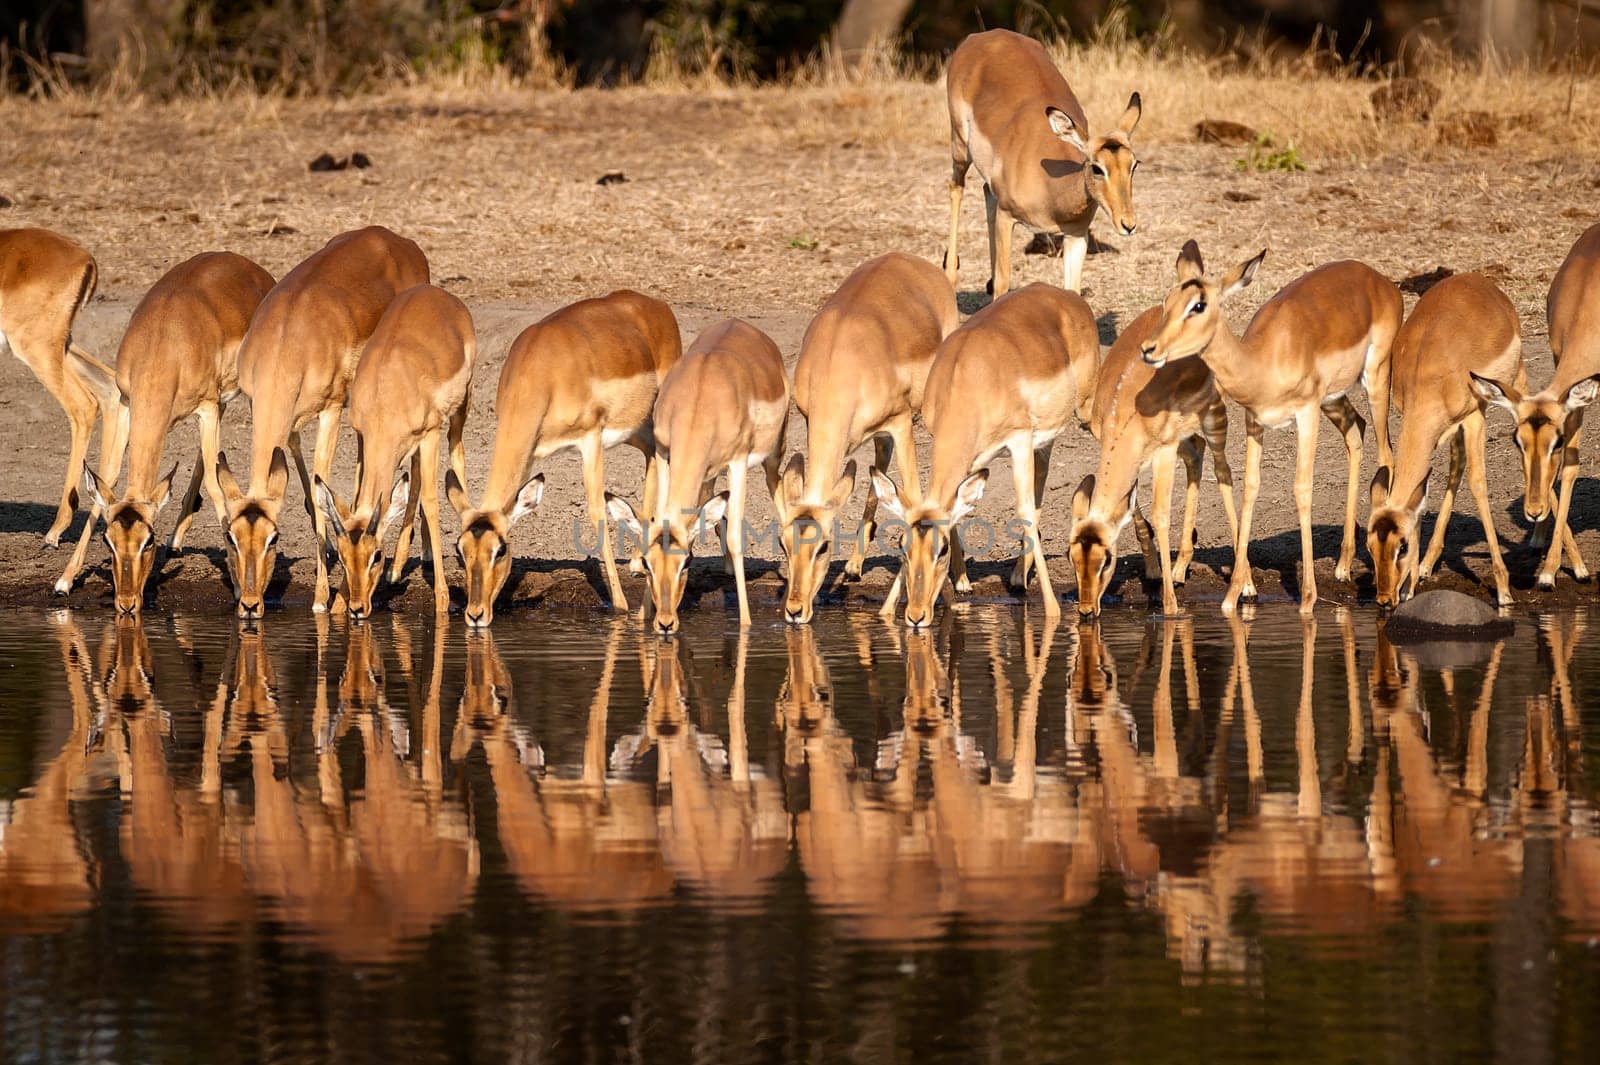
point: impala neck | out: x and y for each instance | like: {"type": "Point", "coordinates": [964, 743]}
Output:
{"type": "Point", "coordinates": [1232, 363]}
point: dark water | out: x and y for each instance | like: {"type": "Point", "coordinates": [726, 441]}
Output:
{"type": "Point", "coordinates": [1190, 842]}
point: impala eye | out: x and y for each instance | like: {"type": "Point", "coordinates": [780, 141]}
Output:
{"type": "Point", "coordinates": [1098, 170]}
{"type": "Point", "coordinates": [1197, 307]}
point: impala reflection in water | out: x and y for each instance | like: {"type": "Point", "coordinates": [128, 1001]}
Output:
{"type": "Point", "coordinates": [759, 829]}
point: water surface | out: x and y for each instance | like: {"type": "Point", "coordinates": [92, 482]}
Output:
{"type": "Point", "coordinates": [999, 841]}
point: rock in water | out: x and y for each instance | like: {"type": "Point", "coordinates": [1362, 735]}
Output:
{"type": "Point", "coordinates": [1441, 614]}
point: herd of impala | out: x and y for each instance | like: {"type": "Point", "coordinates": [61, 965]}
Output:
{"type": "Point", "coordinates": [358, 327]}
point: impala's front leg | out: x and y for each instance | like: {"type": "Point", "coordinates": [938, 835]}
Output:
{"type": "Point", "coordinates": [1041, 476]}
{"type": "Point", "coordinates": [1028, 510]}
{"type": "Point", "coordinates": [1000, 225]}
{"type": "Point", "coordinates": [1242, 583]}
{"type": "Point", "coordinates": [322, 464]}
{"type": "Point", "coordinates": [427, 487]}
{"type": "Point", "coordinates": [882, 455]}
{"type": "Point", "coordinates": [959, 164]}
{"type": "Point", "coordinates": [591, 449]}
{"type": "Point", "coordinates": [402, 546]}
{"type": "Point", "coordinates": [1344, 416]}
{"type": "Point", "coordinates": [1473, 428]}
{"type": "Point", "coordinates": [735, 534]}
{"type": "Point", "coordinates": [1560, 535]}
{"type": "Point", "coordinates": [1447, 503]}
{"type": "Point", "coordinates": [1190, 451]}
{"type": "Point", "coordinates": [1305, 474]}
{"type": "Point", "coordinates": [1162, 468]}
{"type": "Point", "coordinates": [1074, 250]}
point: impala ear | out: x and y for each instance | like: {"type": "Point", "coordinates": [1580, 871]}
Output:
{"type": "Point", "coordinates": [527, 499]}
{"type": "Point", "coordinates": [99, 493]}
{"type": "Point", "coordinates": [1420, 496]}
{"type": "Point", "coordinates": [332, 512]}
{"type": "Point", "coordinates": [277, 474]}
{"type": "Point", "coordinates": [1130, 117]}
{"type": "Point", "coordinates": [1082, 498]}
{"type": "Point", "coordinates": [888, 494]}
{"type": "Point", "coordinates": [1242, 275]}
{"type": "Point", "coordinates": [226, 481]}
{"type": "Point", "coordinates": [399, 496]}
{"type": "Point", "coordinates": [456, 492]}
{"type": "Point", "coordinates": [967, 496]}
{"type": "Point", "coordinates": [1062, 126]}
{"type": "Point", "coordinates": [163, 494]}
{"type": "Point", "coordinates": [793, 486]}
{"type": "Point", "coordinates": [843, 486]}
{"type": "Point", "coordinates": [1495, 393]}
{"type": "Point", "coordinates": [1379, 493]}
{"type": "Point", "coordinates": [1581, 394]}
{"type": "Point", "coordinates": [1191, 267]}
{"type": "Point", "coordinates": [621, 514]}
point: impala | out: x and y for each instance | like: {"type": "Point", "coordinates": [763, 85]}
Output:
{"type": "Point", "coordinates": [1550, 423]}
{"type": "Point", "coordinates": [1303, 351]}
{"type": "Point", "coordinates": [45, 280]}
{"type": "Point", "coordinates": [1013, 116]}
{"type": "Point", "coordinates": [295, 364]}
{"type": "Point", "coordinates": [1010, 379]}
{"type": "Point", "coordinates": [179, 357]}
{"type": "Point", "coordinates": [585, 377]}
{"type": "Point", "coordinates": [410, 392]}
{"type": "Point", "coordinates": [1461, 331]}
{"type": "Point", "coordinates": [725, 405]}
{"type": "Point", "coordinates": [861, 373]}
{"type": "Point", "coordinates": [1146, 417]}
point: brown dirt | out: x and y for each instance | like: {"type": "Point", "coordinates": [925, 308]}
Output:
{"type": "Point", "coordinates": [747, 202]}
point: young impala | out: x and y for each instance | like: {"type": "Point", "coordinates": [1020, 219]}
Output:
{"type": "Point", "coordinates": [724, 406]}
{"type": "Point", "coordinates": [295, 364]}
{"type": "Point", "coordinates": [585, 377]}
{"type": "Point", "coordinates": [1146, 417]}
{"type": "Point", "coordinates": [1013, 116]}
{"type": "Point", "coordinates": [178, 358]}
{"type": "Point", "coordinates": [1462, 331]}
{"type": "Point", "coordinates": [861, 373]}
{"type": "Point", "coordinates": [1303, 351]}
{"type": "Point", "coordinates": [45, 280]}
{"type": "Point", "coordinates": [1550, 423]}
{"type": "Point", "coordinates": [409, 394]}
{"type": "Point", "coordinates": [1010, 379]}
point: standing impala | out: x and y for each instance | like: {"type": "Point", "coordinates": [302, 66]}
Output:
{"type": "Point", "coordinates": [861, 373]}
{"type": "Point", "coordinates": [1550, 423]}
{"type": "Point", "coordinates": [585, 377]}
{"type": "Point", "coordinates": [45, 280]}
{"type": "Point", "coordinates": [1013, 116]}
{"type": "Point", "coordinates": [1010, 379]}
{"type": "Point", "coordinates": [411, 389]}
{"type": "Point", "coordinates": [1303, 351]}
{"type": "Point", "coordinates": [178, 358]}
{"type": "Point", "coordinates": [1463, 330]}
{"type": "Point", "coordinates": [725, 405]}
{"type": "Point", "coordinates": [295, 364]}
{"type": "Point", "coordinates": [1145, 416]}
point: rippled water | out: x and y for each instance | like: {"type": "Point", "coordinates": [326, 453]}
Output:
{"type": "Point", "coordinates": [1199, 841]}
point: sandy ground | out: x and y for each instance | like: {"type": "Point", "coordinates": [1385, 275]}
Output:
{"type": "Point", "coordinates": [755, 205]}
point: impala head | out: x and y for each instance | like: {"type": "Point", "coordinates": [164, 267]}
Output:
{"type": "Point", "coordinates": [1192, 313]}
{"type": "Point", "coordinates": [807, 535]}
{"type": "Point", "coordinates": [927, 540]}
{"type": "Point", "coordinates": [668, 546]}
{"type": "Point", "coordinates": [484, 545]}
{"type": "Point", "coordinates": [1393, 540]}
{"type": "Point", "coordinates": [1093, 546]}
{"type": "Point", "coordinates": [130, 534]}
{"type": "Point", "coordinates": [1540, 433]}
{"type": "Point", "coordinates": [252, 532]}
{"type": "Point", "coordinates": [1110, 162]}
{"type": "Point", "coordinates": [357, 538]}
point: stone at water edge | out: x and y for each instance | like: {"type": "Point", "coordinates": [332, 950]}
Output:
{"type": "Point", "coordinates": [1444, 614]}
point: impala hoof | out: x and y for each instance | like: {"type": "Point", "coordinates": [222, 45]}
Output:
{"type": "Point", "coordinates": [1547, 582]}
{"type": "Point", "coordinates": [63, 587]}
{"type": "Point", "coordinates": [636, 567]}
{"type": "Point", "coordinates": [853, 568]}
{"type": "Point", "coordinates": [963, 585]}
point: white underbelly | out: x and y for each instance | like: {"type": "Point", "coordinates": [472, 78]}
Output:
{"type": "Point", "coordinates": [613, 437]}
{"type": "Point", "coordinates": [5, 346]}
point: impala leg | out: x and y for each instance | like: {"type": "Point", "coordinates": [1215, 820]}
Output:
{"type": "Point", "coordinates": [1305, 472]}
{"type": "Point", "coordinates": [1345, 418]}
{"type": "Point", "coordinates": [1028, 510]}
{"type": "Point", "coordinates": [322, 463]}
{"type": "Point", "coordinates": [1147, 542]}
{"type": "Point", "coordinates": [1447, 503]}
{"type": "Point", "coordinates": [427, 487]}
{"type": "Point", "coordinates": [1377, 382]}
{"type": "Point", "coordinates": [1074, 250]}
{"type": "Point", "coordinates": [210, 448]}
{"type": "Point", "coordinates": [1214, 424]}
{"type": "Point", "coordinates": [1163, 465]}
{"type": "Point", "coordinates": [591, 449]}
{"type": "Point", "coordinates": [205, 471]}
{"type": "Point", "coordinates": [1559, 533]}
{"type": "Point", "coordinates": [735, 535]}
{"type": "Point", "coordinates": [958, 564]}
{"type": "Point", "coordinates": [1477, 478]}
{"type": "Point", "coordinates": [113, 442]}
{"type": "Point", "coordinates": [1190, 451]}
{"type": "Point", "coordinates": [1000, 225]}
{"type": "Point", "coordinates": [402, 544]}
{"type": "Point", "coordinates": [80, 422]}
{"type": "Point", "coordinates": [458, 447]}
{"type": "Point", "coordinates": [648, 450]}
{"type": "Point", "coordinates": [1242, 583]}
{"type": "Point", "coordinates": [882, 454]}
{"type": "Point", "coordinates": [959, 164]}
{"type": "Point", "coordinates": [1041, 475]}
